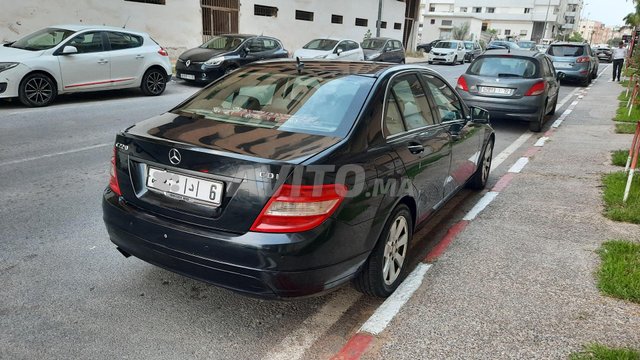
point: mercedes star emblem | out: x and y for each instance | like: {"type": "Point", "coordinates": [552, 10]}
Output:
{"type": "Point", "coordinates": [188, 63]}
{"type": "Point", "coordinates": [174, 156]}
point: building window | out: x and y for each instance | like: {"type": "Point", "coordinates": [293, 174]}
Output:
{"type": "Point", "coordinates": [477, 9]}
{"type": "Point", "coordinates": [555, 10]}
{"type": "Point", "coordinates": [491, 10]}
{"type": "Point", "coordinates": [432, 21]}
{"type": "Point", "coordinates": [383, 24]}
{"type": "Point", "coordinates": [336, 19]}
{"type": "Point", "coordinates": [484, 27]}
{"type": "Point", "coordinates": [398, 26]}
{"type": "Point", "coordinates": [261, 10]}
{"type": "Point", "coordinates": [463, 9]}
{"type": "Point", "coordinates": [527, 10]}
{"type": "Point", "coordinates": [447, 22]}
{"type": "Point", "coordinates": [507, 32]}
{"type": "Point", "coordinates": [523, 32]}
{"type": "Point", "coordinates": [304, 15]}
{"type": "Point", "coordinates": [157, 2]}
{"type": "Point", "coordinates": [362, 22]}
{"type": "Point", "coordinates": [432, 8]}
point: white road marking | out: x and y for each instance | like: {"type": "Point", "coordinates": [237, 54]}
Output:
{"type": "Point", "coordinates": [500, 158]}
{"type": "Point", "coordinates": [296, 343]}
{"type": "Point", "coordinates": [556, 123]}
{"type": "Point", "coordinates": [574, 103]}
{"type": "Point", "coordinates": [56, 154]}
{"type": "Point", "coordinates": [603, 70]}
{"type": "Point", "coordinates": [390, 307]}
{"type": "Point", "coordinates": [480, 205]}
{"type": "Point", "coordinates": [567, 98]}
{"type": "Point", "coordinates": [519, 165]}
{"type": "Point", "coordinates": [541, 141]}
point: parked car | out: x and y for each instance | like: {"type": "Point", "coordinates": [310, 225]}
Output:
{"type": "Point", "coordinates": [426, 47]}
{"type": "Point", "coordinates": [383, 49]}
{"type": "Point", "coordinates": [501, 44]}
{"type": "Point", "coordinates": [448, 51]}
{"type": "Point", "coordinates": [604, 53]}
{"type": "Point", "coordinates": [517, 84]}
{"type": "Point", "coordinates": [330, 49]}
{"type": "Point", "coordinates": [224, 54]}
{"type": "Point", "coordinates": [224, 188]}
{"type": "Point", "coordinates": [574, 60]}
{"type": "Point", "coordinates": [542, 48]}
{"type": "Point", "coordinates": [76, 58]}
{"type": "Point", "coordinates": [472, 50]}
{"type": "Point", "coordinates": [527, 45]}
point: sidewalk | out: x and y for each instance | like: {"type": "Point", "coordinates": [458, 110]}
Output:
{"type": "Point", "coordinates": [519, 281]}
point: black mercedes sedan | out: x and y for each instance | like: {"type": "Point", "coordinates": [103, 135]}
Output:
{"type": "Point", "coordinates": [225, 53]}
{"type": "Point", "coordinates": [287, 179]}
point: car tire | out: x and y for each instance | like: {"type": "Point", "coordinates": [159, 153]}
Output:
{"type": "Point", "coordinates": [381, 274]}
{"type": "Point", "coordinates": [455, 60]}
{"type": "Point", "coordinates": [479, 179]}
{"type": "Point", "coordinates": [430, 62]}
{"type": "Point", "coordinates": [595, 74]}
{"type": "Point", "coordinates": [231, 68]}
{"type": "Point", "coordinates": [555, 104]}
{"type": "Point", "coordinates": [37, 90]}
{"type": "Point", "coordinates": [536, 125]}
{"type": "Point", "coordinates": [154, 82]}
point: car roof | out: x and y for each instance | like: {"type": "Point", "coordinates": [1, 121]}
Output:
{"type": "Point", "coordinates": [381, 38]}
{"type": "Point", "coordinates": [77, 27]}
{"type": "Point", "coordinates": [513, 52]}
{"type": "Point", "coordinates": [565, 43]}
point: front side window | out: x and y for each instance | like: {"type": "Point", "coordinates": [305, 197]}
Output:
{"type": "Point", "coordinates": [446, 45]}
{"type": "Point", "coordinates": [255, 45]}
{"type": "Point", "coordinates": [448, 104]}
{"type": "Point", "coordinates": [321, 44]}
{"type": "Point", "coordinates": [407, 107]}
{"type": "Point", "coordinates": [119, 41]}
{"type": "Point", "coordinates": [87, 42]}
{"type": "Point", "coordinates": [43, 39]}
{"type": "Point", "coordinates": [316, 103]}
{"type": "Point", "coordinates": [228, 43]}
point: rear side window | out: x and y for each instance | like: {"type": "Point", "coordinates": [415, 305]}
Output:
{"type": "Point", "coordinates": [503, 66]}
{"type": "Point", "coordinates": [407, 106]}
{"type": "Point", "coordinates": [566, 50]}
{"type": "Point", "coordinates": [121, 41]}
{"type": "Point", "coordinates": [270, 44]}
{"type": "Point", "coordinates": [315, 103]}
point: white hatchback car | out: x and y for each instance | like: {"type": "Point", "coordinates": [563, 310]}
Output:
{"type": "Point", "coordinates": [449, 51]}
{"type": "Point", "coordinates": [75, 58]}
{"type": "Point", "coordinates": [331, 49]}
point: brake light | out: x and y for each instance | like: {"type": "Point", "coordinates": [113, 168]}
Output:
{"type": "Point", "coordinates": [462, 83]}
{"type": "Point", "coordinates": [537, 89]}
{"type": "Point", "coordinates": [113, 180]}
{"type": "Point", "coordinates": [583, 59]}
{"type": "Point", "coordinates": [163, 52]}
{"type": "Point", "coordinates": [296, 208]}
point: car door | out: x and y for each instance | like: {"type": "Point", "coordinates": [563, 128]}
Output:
{"type": "Point", "coordinates": [354, 50]}
{"type": "Point", "coordinates": [272, 49]}
{"type": "Point", "coordinates": [387, 52]}
{"type": "Point", "coordinates": [128, 58]}
{"type": "Point", "coordinates": [550, 77]}
{"type": "Point", "coordinates": [466, 137]}
{"type": "Point", "coordinates": [461, 50]}
{"type": "Point", "coordinates": [253, 51]}
{"type": "Point", "coordinates": [398, 51]}
{"type": "Point", "coordinates": [90, 67]}
{"type": "Point", "coordinates": [420, 142]}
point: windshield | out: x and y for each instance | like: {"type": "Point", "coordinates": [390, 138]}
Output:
{"type": "Point", "coordinates": [373, 44]}
{"type": "Point", "coordinates": [468, 45]}
{"type": "Point", "coordinates": [223, 43]}
{"type": "Point", "coordinates": [566, 50]}
{"type": "Point", "coordinates": [446, 45]}
{"type": "Point", "coordinates": [498, 66]}
{"type": "Point", "coordinates": [43, 39]}
{"type": "Point", "coordinates": [526, 44]}
{"type": "Point", "coordinates": [321, 44]}
{"type": "Point", "coordinates": [316, 103]}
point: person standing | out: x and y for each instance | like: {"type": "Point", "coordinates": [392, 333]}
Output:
{"type": "Point", "coordinates": [618, 55]}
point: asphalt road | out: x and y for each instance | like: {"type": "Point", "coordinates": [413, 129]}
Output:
{"type": "Point", "coordinates": [67, 293]}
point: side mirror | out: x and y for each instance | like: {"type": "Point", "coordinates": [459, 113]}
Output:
{"type": "Point", "coordinates": [479, 115]}
{"type": "Point", "coordinates": [560, 75]}
{"type": "Point", "coordinates": [338, 51]}
{"type": "Point", "coordinates": [68, 50]}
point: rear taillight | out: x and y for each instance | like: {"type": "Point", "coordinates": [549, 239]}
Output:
{"type": "Point", "coordinates": [583, 59]}
{"type": "Point", "coordinates": [113, 180]}
{"type": "Point", "coordinates": [163, 52]}
{"type": "Point", "coordinates": [296, 208]}
{"type": "Point", "coordinates": [462, 83]}
{"type": "Point", "coordinates": [537, 89]}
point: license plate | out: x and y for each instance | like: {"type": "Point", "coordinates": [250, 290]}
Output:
{"type": "Point", "coordinates": [562, 65]}
{"type": "Point", "coordinates": [494, 90]}
{"type": "Point", "coordinates": [188, 76]}
{"type": "Point", "coordinates": [185, 188]}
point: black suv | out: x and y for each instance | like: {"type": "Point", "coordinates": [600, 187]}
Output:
{"type": "Point", "coordinates": [225, 53]}
{"type": "Point", "coordinates": [426, 47]}
{"type": "Point", "coordinates": [604, 53]}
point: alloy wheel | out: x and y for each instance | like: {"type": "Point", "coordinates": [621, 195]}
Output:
{"type": "Point", "coordinates": [155, 83]}
{"type": "Point", "coordinates": [38, 90]}
{"type": "Point", "coordinates": [395, 250]}
{"type": "Point", "coordinates": [486, 162]}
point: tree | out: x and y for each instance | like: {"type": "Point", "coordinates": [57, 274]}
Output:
{"type": "Point", "coordinates": [576, 37]}
{"type": "Point", "coordinates": [632, 19]}
{"type": "Point", "coordinates": [460, 32]}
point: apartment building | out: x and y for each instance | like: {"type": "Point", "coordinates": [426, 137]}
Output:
{"type": "Point", "coordinates": [503, 19]}
{"type": "Point", "coordinates": [595, 32]}
{"type": "Point", "coordinates": [182, 24]}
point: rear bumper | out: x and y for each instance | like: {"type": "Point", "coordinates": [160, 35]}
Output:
{"type": "Point", "coordinates": [256, 264]}
{"type": "Point", "coordinates": [525, 108]}
{"type": "Point", "coordinates": [571, 74]}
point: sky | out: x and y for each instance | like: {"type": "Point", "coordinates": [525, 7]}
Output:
{"type": "Point", "coordinates": [609, 12]}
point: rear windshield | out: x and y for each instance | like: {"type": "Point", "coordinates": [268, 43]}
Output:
{"type": "Point", "coordinates": [315, 103]}
{"type": "Point", "coordinates": [566, 50]}
{"type": "Point", "coordinates": [446, 45]}
{"type": "Point", "coordinates": [321, 44]}
{"type": "Point", "coordinates": [373, 44]}
{"type": "Point", "coordinates": [526, 44]}
{"type": "Point", "coordinates": [503, 66]}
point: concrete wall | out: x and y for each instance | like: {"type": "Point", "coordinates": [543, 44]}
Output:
{"type": "Point", "coordinates": [296, 33]}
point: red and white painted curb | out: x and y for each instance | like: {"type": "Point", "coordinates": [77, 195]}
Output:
{"type": "Point", "coordinates": [360, 342]}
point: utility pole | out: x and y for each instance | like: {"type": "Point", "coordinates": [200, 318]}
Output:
{"type": "Point", "coordinates": [379, 22]}
{"type": "Point", "coordinates": [544, 28]}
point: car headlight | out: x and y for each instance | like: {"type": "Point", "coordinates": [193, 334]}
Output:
{"type": "Point", "coordinates": [373, 56]}
{"type": "Point", "coordinates": [7, 65]}
{"type": "Point", "coordinates": [215, 61]}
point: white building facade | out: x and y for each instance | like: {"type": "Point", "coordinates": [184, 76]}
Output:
{"type": "Point", "coordinates": [182, 24]}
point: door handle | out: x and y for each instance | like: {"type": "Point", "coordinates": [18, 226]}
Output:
{"type": "Point", "coordinates": [415, 148]}
{"type": "Point", "coordinates": [139, 56]}
{"type": "Point", "coordinates": [103, 61]}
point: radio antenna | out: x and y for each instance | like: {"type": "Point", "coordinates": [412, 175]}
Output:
{"type": "Point", "coordinates": [126, 22]}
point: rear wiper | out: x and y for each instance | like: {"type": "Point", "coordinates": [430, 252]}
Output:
{"type": "Point", "coordinates": [191, 114]}
{"type": "Point", "coordinates": [508, 75]}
